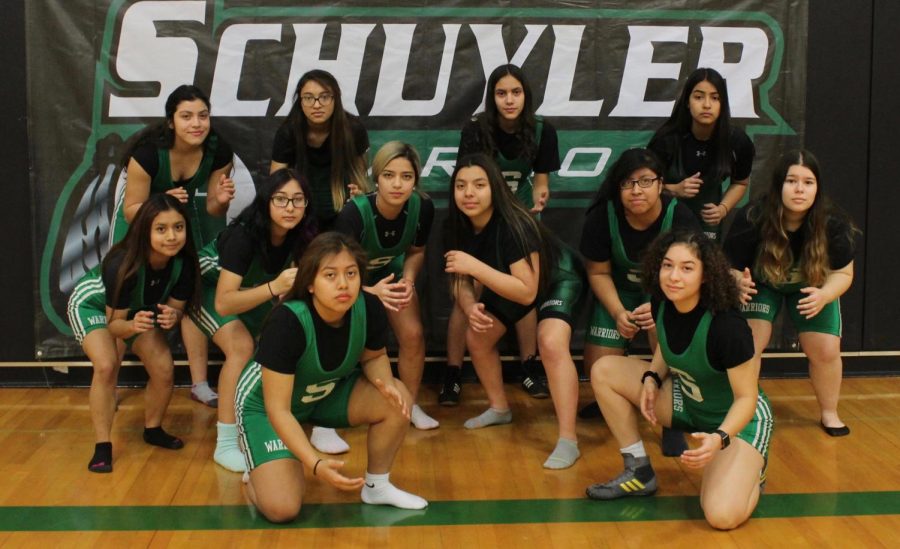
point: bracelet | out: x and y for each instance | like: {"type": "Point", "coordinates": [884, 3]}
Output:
{"type": "Point", "coordinates": [316, 466]}
{"type": "Point", "coordinates": [724, 205]}
{"type": "Point", "coordinates": [654, 375]}
{"type": "Point", "coordinates": [269, 286]}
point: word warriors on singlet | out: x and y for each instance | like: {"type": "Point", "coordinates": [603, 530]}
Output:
{"type": "Point", "coordinates": [607, 333]}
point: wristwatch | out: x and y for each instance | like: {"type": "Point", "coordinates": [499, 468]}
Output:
{"type": "Point", "coordinates": [726, 438]}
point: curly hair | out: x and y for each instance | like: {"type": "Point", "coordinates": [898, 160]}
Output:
{"type": "Point", "coordinates": [718, 291]}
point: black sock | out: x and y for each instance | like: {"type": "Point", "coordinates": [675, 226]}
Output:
{"type": "Point", "coordinates": [102, 460]}
{"type": "Point", "coordinates": [157, 437]}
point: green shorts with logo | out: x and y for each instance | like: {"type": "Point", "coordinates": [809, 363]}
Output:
{"type": "Point", "coordinates": [602, 328]}
{"type": "Point", "coordinates": [209, 321]}
{"type": "Point", "coordinates": [261, 444]}
{"type": "Point", "coordinates": [768, 301]}
{"type": "Point", "coordinates": [563, 298]}
{"type": "Point", "coordinates": [87, 306]}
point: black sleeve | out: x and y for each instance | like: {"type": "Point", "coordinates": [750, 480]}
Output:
{"type": "Point", "coordinates": [110, 270]}
{"type": "Point", "coordinates": [741, 241]}
{"type": "Point", "coordinates": [147, 156]}
{"type": "Point", "coordinates": [596, 244]}
{"type": "Point", "coordinates": [224, 154]}
{"type": "Point", "coordinates": [284, 145]}
{"type": "Point", "coordinates": [236, 250]}
{"type": "Point", "coordinates": [426, 218]}
{"type": "Point", "coordinates": [184, 286]}
{"type": "Point", "coordinates": [360, 135]}
{"type": "Point", "coordinates": [376, 323]}
{"type": "Point", "coordinates": [665, 148]}
{"type": "Point", "coordinates": [730, 341]}
{"type": "Point", "coordinates": [349, 221]}
{"type": "Point", "coordinates": [744, 151]}
{"type": "Point", "coordinates": [841, 243]}
{"type": "Point", "coordinates": [685, 219]}
{"type": "Point", "coordinates": [548, 153]}
{"type": "Point", "coordinates": [511, 251]}
{"type": "Point", "coordinates": [469, 140]}
{"type": "Point", "coordinates": [282, 341]}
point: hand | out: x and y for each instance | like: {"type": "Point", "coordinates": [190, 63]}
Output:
{"type": "Point", "coordinates": [460, 263]}
{"type": "Point", "coordinates": [180, 193]}
{"type": "Point", "coordinates": [689, 186]}
{"type": "Point", "coordinates": [408, 287]}
{"type": "Point", "coordinates": [539, 198]}
{"type": "Point", "coordinates": [353, 190]}
{"type": "Point", "coordinates": [479, 321]}
{"type": "Point", "coordinates": [143, 321]}
{"type": "Point", "coordinates": [746, 286]}
{"type": "Point", "coordinates": [649, 392]}
{"type": "Point", "coordinates": [283, 282]}
{"type": "Point", "coordinates": [625, 324]}
{"type": "Point", "coordinates": [393, 295]}
{"type": "Point", "coordinates": [328, 470]}
{"type": "Point", "coordinates": [224, 191]}
{"type": "Point", "coordinates": [642, 315]}
{"type": "Point", "coordinates": [393, 396]}
{"type": "Point", "coordinates": [167, 317]}
{"type": "Point", "coordinates": [710, 445]}
{"type": "Point", "coordinates": [813, 303]}
{"type": "Point", "coordinates": [713, 214]}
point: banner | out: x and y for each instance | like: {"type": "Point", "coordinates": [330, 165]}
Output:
{"type": "Point", "coordinates": [606, 74]}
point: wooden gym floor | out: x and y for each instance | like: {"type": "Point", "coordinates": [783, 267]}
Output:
{"type": "Point", "coordinates": [487, 487]}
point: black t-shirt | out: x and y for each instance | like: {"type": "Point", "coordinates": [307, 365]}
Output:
{"type": "Point", "coordinates": [496, 245]}
{"type": "Point", "coordinates": [728, 344]}
{"type": "Point", "coordinates": [350, 222]}
{"type": "Point", "coordinates": [283, 340]}
{"type": "Point", "coordinates": [237, 249]}
{"type": "Point", "coordinates": [596, 242]}
{"type": "Point", "coordinates": [546, 161]}
{"type": "Point", "coordinates": [155, 283]}
{"type": "Point", "coordinates": [697, 156]}
{"type": "Point", "coordinates": [743, 241]}
{"type": "Point", "coordinates": [147, 156]}
{"type": "Point", "coordinates": [284, 146]}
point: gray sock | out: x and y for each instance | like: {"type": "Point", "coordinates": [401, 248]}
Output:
{"type": "Point", "coordinates": [564, 455]}
{"type": "Point", "coordinates": [488, 418]}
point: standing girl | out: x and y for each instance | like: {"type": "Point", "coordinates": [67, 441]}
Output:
{"type": "Point", "coordinates": [700, 149]}
{"type": "Point", "coordinates": [183, 157]}
{"type": "Point", "coordinates": [321, 358]}
{"type": "Point", "coordinates": [326, 144]}
{"type": "Point", "coordinates": [244, 270]}
{"type": "Point", "coordinates": [496, 256]}
{"type": "Point", "coordinates": [525, 146]}
{"type": "Point", "coordinates": [703, 378]}
{"type": "Point", "coordinates": [141, 288]}
{"type": "Point", "coordinates": [794, 246]}
{"type": "Point", "coordinates": [393, 225]}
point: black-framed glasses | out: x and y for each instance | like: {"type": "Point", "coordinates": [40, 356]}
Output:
{"type": "Point", "coordinates": [281, 201]}
{"type": "Point", "coordinates": [324, 99]}
{"type": "Point", "coordinates": [643, 182]}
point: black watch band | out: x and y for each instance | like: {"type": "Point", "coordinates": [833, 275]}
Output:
{"type": "Point", "coordinates": [654, 375]}
{"type": "Point", "coordinates": [726, 438]}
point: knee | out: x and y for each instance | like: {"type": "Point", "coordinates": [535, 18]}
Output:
{"type": "Point", "coordinates": [550, 348]}
{"type": "Point", "coordinates": [412, 339]}
{"type": "Point", "coordinates": [476, 344]}
{"type": "Point", "coordinates": [242, 349]}
{"type": "Point", "coordinates": [105, 372]}
{"type": "Point", "coordinates": [281, 511]}
{"type": "Point", "coordinates": [823, 354]}
{"type": "Point", "coordinates": [600, 371]}
{"type": "Point", "coordinates": [724, 517]}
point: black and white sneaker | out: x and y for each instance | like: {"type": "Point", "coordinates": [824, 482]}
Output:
{"type": "Point", "coordinates": [451, 388]}
{"type": "Point", "coordinates": [532, 381]}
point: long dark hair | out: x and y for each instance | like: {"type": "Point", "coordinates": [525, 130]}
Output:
{"type": "Point", "coordinates": [255, 218]}
{"type": "Point", "coordinates": [629, 162]}
{"type": "Point", "coordinates": [346, 164]}
{"type": "Point", "coordinates": [488, 121]}
{"type": "Point", "coordinates": [775, 256]}
{"type": "Point", "coordinates": [135, 248]}
{"type": "Point", "coordinates": [523, 226]}
{"type": "Point", "coordinates": [162, 135]}
{"type": "Point", "coordinates": [718, 292]}
{"type": "Point", "coordinates": [679, 123]}
{"type": "Point", "coordinates": [324, 245]}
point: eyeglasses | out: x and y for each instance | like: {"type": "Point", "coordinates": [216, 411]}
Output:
{"type": "Point", "coordinates": [643, 182]}
{"type": "Point", "coordinates": [281, 201]}
{"type": "Point", "coordinates": [324, 99]}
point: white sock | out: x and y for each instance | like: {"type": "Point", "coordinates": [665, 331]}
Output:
{"type": "Point", "coordinates": [228, 454]}
{"type": "Point", "coordinates": [564, 455]}
{"type": "Point", "coordinates": [421, 420]}
{"type": "Point", "coordinates": [202, 392]}
{"type": "Point", "coordinates": [327, 441]}
{"type": "Point", "coordinates": [378, 490]}
{"type": "Point", "coordinates": [489, 417]}
{"type": "Point", "coordinates": [636, 449]}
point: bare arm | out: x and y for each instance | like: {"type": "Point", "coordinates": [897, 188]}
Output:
{"type": "Point", "coordinates": [219, 191]}
{"type": "Point", "coordinates": [231, 299]}
{"type": "Point", "coordinates": [520, 286]}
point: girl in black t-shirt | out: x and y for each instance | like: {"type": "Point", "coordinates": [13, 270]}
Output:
{"type": "Point", "coordinates": [325, 143]}
{"type": "Point", "coordinates": [148, 280]}
{"type": "Point", "coordinates": [496, 255]}
{"type": "Point", "coordinates": [701, 149]}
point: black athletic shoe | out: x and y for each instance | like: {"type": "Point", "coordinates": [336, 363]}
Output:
{"type": "Point", "coordinates": [532, 381]}
{"type": "Point", "coordinates": [673, 443]}
{"type": "Point", "coordinates": [590, 411]}
{"type": "Point", "coordinates": [451, 388]}
{"type": "Point", "coordinates": [638, 479]}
